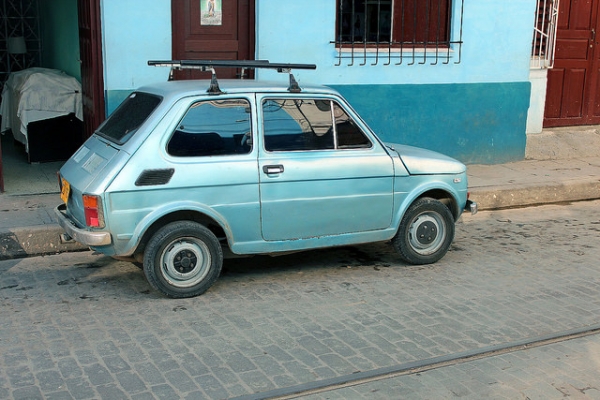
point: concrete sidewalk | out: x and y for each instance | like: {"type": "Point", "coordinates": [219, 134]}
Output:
{"type": "Point", "coordinates": [562, 167]}
{"type": "Point", "coordinates": [534, 182]}
{"type": "Point", "coordinates": [29, 227]}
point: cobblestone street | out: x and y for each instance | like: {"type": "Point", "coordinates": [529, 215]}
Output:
{"type": "Point", "coordinates": [84, 326]}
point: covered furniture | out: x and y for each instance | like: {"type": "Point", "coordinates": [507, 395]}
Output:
{"type": "Point", "coordinates": [43, 109]}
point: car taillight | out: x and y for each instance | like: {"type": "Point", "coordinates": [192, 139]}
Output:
{"type": "Point", "coordinates": [92, 206]}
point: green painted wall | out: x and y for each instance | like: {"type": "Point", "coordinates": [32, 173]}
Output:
{"type": "Point", "coordinates": [60, 36]}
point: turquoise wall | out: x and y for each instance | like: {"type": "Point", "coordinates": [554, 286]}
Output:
{"type": "Point", "coordinates": [60, 36]}
{"type": "Point", "coordinates": [475, 123]}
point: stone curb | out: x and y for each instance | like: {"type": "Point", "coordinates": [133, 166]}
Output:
{"type": "Point", "coordinates": [35, 241]}
{"type": "Point", "coordinates": [498, 197]}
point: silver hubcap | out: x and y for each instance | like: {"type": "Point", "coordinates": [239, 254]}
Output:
{"type": "Point", "coordinates": [185, 262]}
{"type": "Point", "coordinates": [426, 233]}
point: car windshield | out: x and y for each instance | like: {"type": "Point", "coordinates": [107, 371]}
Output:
{"type": "Point", "coordinates": [128, 117]}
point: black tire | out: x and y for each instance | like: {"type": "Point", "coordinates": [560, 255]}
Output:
{"type": "Point", "coordinates": [183, 259]}
{"type": "Point", "coordinates": [425, 233]}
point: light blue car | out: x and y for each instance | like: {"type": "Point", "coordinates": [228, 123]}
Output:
{"type": "Point", "coordinates": [178, 175]}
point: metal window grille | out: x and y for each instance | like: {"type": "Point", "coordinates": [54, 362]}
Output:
{"type": "Point", "coordinates": [19, 20]}
{"type": "Point", "coordinates": [399, 31]}
{"type": "Point", "coordinates": [544, 34]}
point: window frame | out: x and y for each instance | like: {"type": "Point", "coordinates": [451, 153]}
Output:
{"type": "Point", "coordinates": [544, 34]}
{"type": "Point", "coordinates": [425, 47]}
{"type": "Point", "coordinates": [127, 119]}
{"type": "Point", "coordinates": [402, 18]}
{"type": "Point", "coordinates": [333, 103]}
{"type": "Point", "coordinates": [194, 103]}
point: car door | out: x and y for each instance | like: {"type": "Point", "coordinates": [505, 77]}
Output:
{"type": "Point", "coordinates": [320, 174]}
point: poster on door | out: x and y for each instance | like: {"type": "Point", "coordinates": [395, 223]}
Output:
{"type": "Point", "coordinates": [211, 12]}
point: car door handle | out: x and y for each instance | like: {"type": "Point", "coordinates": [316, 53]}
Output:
{"type": "Point", "coordinates": [273, 169]}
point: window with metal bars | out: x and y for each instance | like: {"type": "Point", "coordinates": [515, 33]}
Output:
{"type": "Point", "coordinates": [419, 30]}
{"type": "Point", "coordinates": [544, 34]}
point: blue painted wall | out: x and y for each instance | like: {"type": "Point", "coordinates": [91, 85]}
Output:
{"type": "Point", "coordinates": [133, 32]}
{"type": "Point", "coordinates": [497, 44]}
{"type": "Point", "coordinates": [475, 110]}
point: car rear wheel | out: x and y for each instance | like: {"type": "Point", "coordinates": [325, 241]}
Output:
{"type": "Point", "coordinates": [426, 232]}
{"type": "Point", "coordinates": [183, 259]}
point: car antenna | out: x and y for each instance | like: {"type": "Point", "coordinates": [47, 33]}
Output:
{"type": "Point", "coordinates": [209, 65]}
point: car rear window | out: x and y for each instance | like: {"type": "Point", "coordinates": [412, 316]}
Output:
{"type": "Point", "coordinates": [128, 117]}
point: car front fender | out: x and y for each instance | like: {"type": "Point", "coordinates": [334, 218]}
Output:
{"type": "Point", "coordinates": [450, 187]}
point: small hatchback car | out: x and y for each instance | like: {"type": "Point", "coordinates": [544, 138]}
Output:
{"type": "Point", "coordinates": [178, 175]}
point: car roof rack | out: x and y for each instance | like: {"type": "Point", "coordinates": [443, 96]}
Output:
{"type": "Point", "coordinates": [209, 65]}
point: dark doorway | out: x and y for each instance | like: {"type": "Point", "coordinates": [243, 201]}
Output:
{"type": "Point", "coordinates": [92, 81]}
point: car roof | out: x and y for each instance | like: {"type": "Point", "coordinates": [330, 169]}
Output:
{"type": "Point", "coordinates": [185, 88]}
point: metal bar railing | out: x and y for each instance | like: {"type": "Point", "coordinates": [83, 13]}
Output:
{"type": "Point", "coordinates": [544, 34]}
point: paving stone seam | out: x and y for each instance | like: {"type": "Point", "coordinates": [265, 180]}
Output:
{"type": "Point", "coordinates": [417, 366]}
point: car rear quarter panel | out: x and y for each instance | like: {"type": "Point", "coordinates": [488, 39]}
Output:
{"type": "Point", "coordinates": [89, 171]}
{"type": "Point", "coordinates": [224, 188]}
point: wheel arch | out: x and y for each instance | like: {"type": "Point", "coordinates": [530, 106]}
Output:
{"type": "Point", "coordinates": [443, 194]}
{"type": "Point", "coordinates": [444, 197]}
{"type": "Point", "coordinates": [213, 223]}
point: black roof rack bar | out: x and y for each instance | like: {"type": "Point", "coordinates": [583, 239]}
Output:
{"type": "Point", "coordinates": [209, 65]}
{"type": "Point", "coordinates": [250, 64]}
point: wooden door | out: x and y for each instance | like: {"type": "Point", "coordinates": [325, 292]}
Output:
{"type": "Point", "coordinates": [212, 30]}
{"type": "Point", "coordinates": [573, 94]}
{"type": "Point", "coordinates": [90, 48]}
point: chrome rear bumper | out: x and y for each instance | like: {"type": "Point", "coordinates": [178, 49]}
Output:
{"type": "Point", "coordinates": [82, 236]}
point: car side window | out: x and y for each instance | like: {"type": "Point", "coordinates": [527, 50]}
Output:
{"type": "Point", "coordinates": [349, 135]}
{"type": "Point", "coordinates": [307, 124]}
{"type": "Point", "coordinates": [213, 128]}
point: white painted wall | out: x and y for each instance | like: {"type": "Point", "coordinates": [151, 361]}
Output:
{"type": "Point", "coordinates": [535, 116]}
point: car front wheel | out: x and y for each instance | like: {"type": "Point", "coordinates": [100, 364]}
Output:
{"type": "Point", "coordinates": [183, 259]}
{"type": "Point", "coordinates": [426, 232]}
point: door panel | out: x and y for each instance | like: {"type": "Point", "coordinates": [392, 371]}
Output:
{"type": "Point", "coordinates": [227, 36]}
{"type": "Point", "coordinates": [573, 49]}
{"type": "Point", "coordinates": [572, 93]}
{"type": "Point", "coordinates": [578, 14]}
{"type": "Point", "coordinates": [596, 102]}
{"type": "Point", "coordinates": [554, 93]}
{"type": "Point", "coordinates": [321, 193]}
{"type": "Point", "coordinates": [319, 174]}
